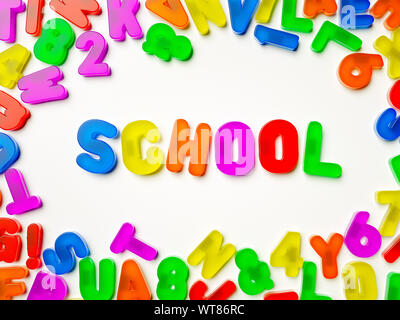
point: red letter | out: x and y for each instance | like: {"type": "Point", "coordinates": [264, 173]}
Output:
{"type": "Point", "coordinates": [34, 15]}
{"type": "Point", "coordinates": [290, 146]}
{"type": "Point", "coordinates": [15, 114]}
{"type": "Point", "coordinates": [76, 11]}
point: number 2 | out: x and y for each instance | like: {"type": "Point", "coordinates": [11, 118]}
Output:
{"type": "Point", "coordinates": [93, 66]}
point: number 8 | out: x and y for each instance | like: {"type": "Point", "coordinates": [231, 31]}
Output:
{"type": "Point", "coordinates": [53, 45]}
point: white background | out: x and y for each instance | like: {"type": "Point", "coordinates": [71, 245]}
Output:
{"type": "Point", "coordinates": [229, 78]}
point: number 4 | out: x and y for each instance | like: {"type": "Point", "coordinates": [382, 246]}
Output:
{"type": "Point", "coordinates": [12, 63]}
{"type": "Point", "coordinates": [287, 254]}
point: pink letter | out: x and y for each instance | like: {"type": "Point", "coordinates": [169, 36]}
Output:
{"type": "Point", "coordinates": [122, 19]}
{"type": "Point", "coordinates": [23, 201]}
{"type": "Point", "coordinates": [223, 149]}
{"type": "Point", "coordinates": [42, 86]}
{"type": "Point", "coordinates": [48, 286]}
{"type": "Point", "coordinates": [125, 240]}
{"type": "Point", "coordinates": [8, 17]}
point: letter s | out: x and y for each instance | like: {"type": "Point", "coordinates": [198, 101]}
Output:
{"type": "Point", "coordinates": [88, 133]}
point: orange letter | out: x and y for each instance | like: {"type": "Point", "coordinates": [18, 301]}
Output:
{"type": "Point", "coordinates": [328, 253]}
{"type": "Point", "coordinates": [312, 8]}
{"type": "Point", "coordinates": [361, 63]}
{"type": "Point", "coordinates": [181, 146]}
{"type": "Point", "coordinates": [132, 285]}
{"type": "Point", "coordinates": [381, 7]}
{"type": "Point", "coordinates": [9, 289]}
{"type": "Point", "coordinates": [169, 10]}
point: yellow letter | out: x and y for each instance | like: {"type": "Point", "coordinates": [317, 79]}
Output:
{"type": "Point", "coordinates": [131, 139]}
{"type": "Point", "coordinates": [265, 11]}
{"type": "Point", "coordinates": [210, 251]}
{"type": "Point", "coordinates": [359, 281]}
{"type": "Point", "coordinates": [392, 216]}
{"type": "Point", "coordinates": [203, 10]}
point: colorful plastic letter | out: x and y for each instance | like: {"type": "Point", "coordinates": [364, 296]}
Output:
{"type": "Point", "coordinates": [12, 63]}
{"type": "Point", "coordinates": [88, 283]}
{"type": "Point", "coordinates": [48, 286]}
{"type": "Point", "coordinates": [362, 239]}
{"type": "Point", "coordinates": [93, 66]}
{"type": "Point", "coordinates": [61, 259]}
{"type": "Point", "coordinates": [267, 146]}
{"type": "Point", "coordinates": [254, 275]}
{"type": "Point", "coordinates": [88, 133]}
{"type": "Point", "coordinates": [125, 240]}
{"type": "Point", "coordinates": [394, 164]}
{"type": "Point", "coordinates": [265, 10]}
{"type": "Point", "coordinates": [34, 237]}
{"type": "Point", "coordinates": [313, 8]}
{"type": "Point", "coordinates": [390, 49]}
{"type": "Point", "coordinates": [388, 125]}
{"type": "Point", "coordinates": [393, 286]}
{"type": "Point", "coordinates": [241, 14]}
{"type": "Point", "coordinates": [350, 17]}
{"type": "Point", "coordinates": [392, 217]}
{"type": "Point", "coordinates": [287, 254]}
{"type": "Point", "coordinates": [355, 70]}
{"type": "Point", "coordinates": [328, 251]}
{"type": "Point", "coordinates": [331, 32]}
{"type": "Point", "coordinates": [394, 95]}
{"type": "Point", "coordinates": [291, 22]}
{"type": "Point", "coordinates": [162, 42]}
{"type": "Point", "coordinates": [23, 201]}
{"type": "Point", "coordinates": [42, 86]}
{"type": "Point", "coordinates": [171, 11]}
{"type": "Point", "coordinates": [34, 16]}
{"type": "Point", "coordinates": [8, 17]}
{"type": "Point", "coordinates": [10, 243]}
{"type": "Point", "coordinates": [276, 38]}
{"type": "Point", "coordinates": [381, 7]}
{"type": "Point", "coordinates": [76, 11]}
{"type": "Point", "coordinates": [53, 45]}
{"type": "Point", "coordinates": [8, 288]}
{"type": "Point", "coordinates": [212, 253]}
{"type": "Point", "coordinates": [223, 149]}
{"type": "Point", "coordinates": [122, 19]}
{"type": "Point", "coordinates": [203, 10]}
{"type": "Point", "coordinates": [309, 283]}
{"type": "Point", "coordinates": [285, 295]}
{"type": "Point", "coordinates": [172, 273]}
{"type": "Point", "coordinates": [181, 146]}
{"type": "Point", "coordinates": [14, 115]}
{"type": "Point", "coordinates": [131, 140]}
{"type": "Point", "coordinates": [312, 155]}
{"type": "Point", "coordinates": [9, 152]}
{"type": "Point", "coordinates": [392, 252]}
{"type": "Point", "coordinates": [359, 281]}
{"type": "Point", "coordinates": [223, 292]}
{"type": "Point", "coordinates": [132, 284]}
